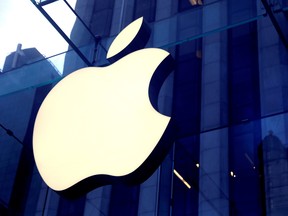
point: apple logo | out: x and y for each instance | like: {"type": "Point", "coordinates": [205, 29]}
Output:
{"type": "Point", "coordinates": [100, 125]}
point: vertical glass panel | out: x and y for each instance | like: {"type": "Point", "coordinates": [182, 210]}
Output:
{"type": "Point", "coordinates": [187, 87]}
{"type": "Point", "coordinates": [124, 200]}
{"type": "Point", "coordinates": [145, 8]}
{"type": "Point", "coordinates": [244, 176]}
{"type": "Point", "coordinates": [243, 73]}
{"type": "Point", "coordinates": [186, 110]}
{"type": "Point", "coordinates": [186, 177]}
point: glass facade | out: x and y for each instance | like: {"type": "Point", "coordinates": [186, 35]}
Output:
{"type": "Point", "coordinates": [227, 95]}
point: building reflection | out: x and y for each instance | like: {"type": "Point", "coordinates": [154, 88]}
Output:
{"type": "Point", "coordinates": [274, 173]}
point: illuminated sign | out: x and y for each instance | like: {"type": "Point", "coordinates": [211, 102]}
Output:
{"type": "Point", "coordinates": [99, 124]}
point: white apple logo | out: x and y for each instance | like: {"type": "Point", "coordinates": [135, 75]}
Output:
{"type": "Point", "coordinates": [97, 125]}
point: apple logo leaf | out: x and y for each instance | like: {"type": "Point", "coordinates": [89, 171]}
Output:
{"type": "Point", "coordinates": [100, 125]}
{"type": "Point", "coordinates": [134, 37]}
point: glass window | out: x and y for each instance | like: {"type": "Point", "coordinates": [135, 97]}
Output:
{"type": "Point", "coordinates": [244, 106]}
{"type": "Point", "coordinates": [124, 200]}
{"type": "Point", "coordinates": [186, 109]}
{"type": "Point", "coordinates": [243, 73]}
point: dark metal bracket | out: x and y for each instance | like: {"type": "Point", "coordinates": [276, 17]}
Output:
{"type": "Point", "coordinates": [275, 23]}
{"type": "Point", "coordinates": [39, 6]}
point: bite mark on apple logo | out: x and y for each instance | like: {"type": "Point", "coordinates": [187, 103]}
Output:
{"type": "Point", "coordinates": [100, 125]}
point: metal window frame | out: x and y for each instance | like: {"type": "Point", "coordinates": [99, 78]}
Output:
{"type": "Point", "coordinates": [41, 4]}
{"type": "Point", "coordinates": [275, 23]}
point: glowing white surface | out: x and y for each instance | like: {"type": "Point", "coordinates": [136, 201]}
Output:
{"type": "Point", "coordinates": [99, 121]}
{"type": "Point", "coordinates": [124, 38]}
